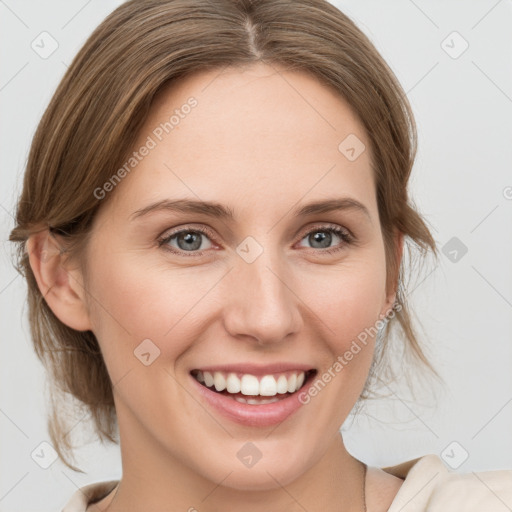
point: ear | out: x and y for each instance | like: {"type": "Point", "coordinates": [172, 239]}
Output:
{"type": "Point", "coordinates": [60, 286]}
{"type": "Point", "coordinates": [392, 285]}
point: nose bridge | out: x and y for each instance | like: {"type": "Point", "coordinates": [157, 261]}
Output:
{"type": "Point", "coordinates": [262, 304]}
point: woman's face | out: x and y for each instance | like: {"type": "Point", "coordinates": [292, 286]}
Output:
{"type": "Point", "coordinates": [255, 277]}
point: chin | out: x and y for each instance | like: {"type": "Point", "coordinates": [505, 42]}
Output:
{"type": "Point", "coordinates": [279, 468]}
{"type": "Point", "coordinates": [262, 479]}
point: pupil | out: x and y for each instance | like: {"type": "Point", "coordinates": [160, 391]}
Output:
{"type": "Point", "coordinates": [192, 241]}
{"type": "Point", "coordinates": [323, 238]}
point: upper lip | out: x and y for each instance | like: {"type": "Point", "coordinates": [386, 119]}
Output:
{"type": "Point", "coordinates": [256, 369]}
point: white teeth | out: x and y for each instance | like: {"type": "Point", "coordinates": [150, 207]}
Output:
{"type": "Point", "coordinates": [208, 379]}
{"type": "Point", "coordinates": [282, 385]}
{"type": "Point", "coordinates": [219, 381]}
{"type": "Point", "coordinates": [292, 381]}
{"type": "Point", "coordinates": [250, 385]}
{"type": "Point", "coordinates": [255, 401]}
{"type": "Point", "coordinates": [233, 383]}
{"type": "Point", "coordinates": [268, 386]}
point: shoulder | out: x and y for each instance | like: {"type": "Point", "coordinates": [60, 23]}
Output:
{"type": "Point", "coordinates": [427, 484]}
{"type": "Point", "coordinates": [89, 494]}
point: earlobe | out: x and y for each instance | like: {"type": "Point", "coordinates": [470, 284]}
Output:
{"type": "Point", "coordinates": [60, 286]}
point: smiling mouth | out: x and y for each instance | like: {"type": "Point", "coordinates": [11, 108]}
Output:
{"type": "Point", "coordinates": [250, 389]}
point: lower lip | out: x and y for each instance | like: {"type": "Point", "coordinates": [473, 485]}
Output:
{"type": "Point", "coordinates": [264, 415]}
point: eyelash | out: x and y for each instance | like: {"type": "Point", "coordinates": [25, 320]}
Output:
{"type": "Point", "coordinates": [344, 234]}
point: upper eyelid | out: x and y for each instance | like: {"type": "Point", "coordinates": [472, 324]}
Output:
{"type": "Point", "coordinates": [327, 226]}
{"type": "Point", "coordinates": [189, 227]}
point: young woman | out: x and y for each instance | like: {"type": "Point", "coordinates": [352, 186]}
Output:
{"type": "Point", "coordinates": [212, 226]}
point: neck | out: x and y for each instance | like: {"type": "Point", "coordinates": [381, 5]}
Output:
{"type": "Point", "coordinates": [155, 479]}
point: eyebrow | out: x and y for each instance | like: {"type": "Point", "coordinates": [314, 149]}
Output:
{"type": "Point", "coordinates": [220, 211]}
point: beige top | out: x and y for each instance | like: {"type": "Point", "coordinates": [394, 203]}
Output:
{"type": "Point", "coordinates": [428, 486]}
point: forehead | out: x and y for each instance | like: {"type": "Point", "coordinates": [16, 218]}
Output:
{"type": "Point", "coordinates": [254, 130]}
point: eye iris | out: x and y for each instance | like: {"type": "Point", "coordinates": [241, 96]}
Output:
{"type": "Point", "coordinates": [192, 240]}
{"type": "Point", "coordinates": [323, 237]}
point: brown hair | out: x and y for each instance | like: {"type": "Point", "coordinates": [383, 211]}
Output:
{"type": "Point", "coordinates": [101, 103]}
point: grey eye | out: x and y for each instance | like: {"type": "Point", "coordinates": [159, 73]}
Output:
{"type": "Point", "coordinates": [188, 240]}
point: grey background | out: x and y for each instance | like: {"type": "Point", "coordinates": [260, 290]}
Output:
{"type": "Point", "coordinates": [462, 182]}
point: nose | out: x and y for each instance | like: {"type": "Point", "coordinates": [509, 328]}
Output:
{"type": "Point", "coordinates": [262, 304]}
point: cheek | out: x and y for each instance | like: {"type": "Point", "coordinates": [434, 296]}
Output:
{"type": "Point", "coordinates": [347, 299]}
{"type": "Point", "coordinates": [131, 304]}
{"type": "Point", "coordinates": [347, 302]}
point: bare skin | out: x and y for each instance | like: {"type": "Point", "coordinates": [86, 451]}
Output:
{"type": "Point", "coordinates": [261, 148]}
{"type": "Point", "coordinates": [381, 489]}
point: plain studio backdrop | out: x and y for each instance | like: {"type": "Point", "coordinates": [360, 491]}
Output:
{"type": "Point", "coordinates": [454, 60]}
